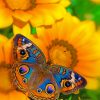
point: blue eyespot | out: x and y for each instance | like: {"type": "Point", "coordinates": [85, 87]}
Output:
{"type": "Point", "coordinates": [24, 69]}
{"type": "Point", "coordinates": [68, 84]}
{"type": "Point", "coordinates": [25, 80]}
{"type": "Point", "coordinates": [39, 90]}
{"type": "Point", "coordinates": [22, 52]}
{"type": "Point", "coordinates": [50, 89]}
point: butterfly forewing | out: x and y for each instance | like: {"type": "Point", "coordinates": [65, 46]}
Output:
{"type": "Point", "coordinates": [26, 51]}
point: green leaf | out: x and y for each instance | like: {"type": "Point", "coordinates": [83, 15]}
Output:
{"type": "Point", "coordinates": [33, 30]}
{"type": "Point", "coordinates": [8, 32]}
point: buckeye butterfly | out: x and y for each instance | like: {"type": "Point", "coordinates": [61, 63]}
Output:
{"type": "Point", "coordinates": [32, 76]}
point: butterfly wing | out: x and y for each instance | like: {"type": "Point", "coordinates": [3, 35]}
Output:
{"type": "Point", "coordinates": [37, 83]}
{"type": "Point", "coordinates": [28, 74]}
{"type": "Point", "coordinates": [67, 80]}
{"type": "Point", "coordinates": [26, 51]}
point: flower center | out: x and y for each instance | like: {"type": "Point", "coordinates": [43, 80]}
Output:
{"type": "Point", "coordinates": [62, 53]}
{"type": "Point", "coordinates": [19, 4]}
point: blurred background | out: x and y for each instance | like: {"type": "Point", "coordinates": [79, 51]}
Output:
{"type": "Point", "coordinates": [83, 9]}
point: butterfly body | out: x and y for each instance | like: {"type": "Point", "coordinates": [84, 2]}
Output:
{"type": "Point", "coordinates": [34, 77]}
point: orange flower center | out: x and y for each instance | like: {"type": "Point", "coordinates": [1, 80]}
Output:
{"type": "Point", "coordinates": [19, 4]}
{"type": "Point", "coordinates": [62, 53]}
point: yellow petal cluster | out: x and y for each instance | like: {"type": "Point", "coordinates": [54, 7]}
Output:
{"type": "Point", "coordinates": [37, 12]}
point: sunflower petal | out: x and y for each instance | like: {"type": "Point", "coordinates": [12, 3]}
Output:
{"type": "Point", "coordinates": [90, 51]}
{"type": "Point", "coordinates": [22, 15]}
{"type": "Point", "coordinates": [88, 68]}
{"type": "Point", "coordinates": [5, 84]}
{"type": "Point", "coordinates": [3, 96]}
{"type": "Point", "coordinates": [50, 9]}
{"type": "Point", "coordinates": [65, 3]}
{"type": "Point", "coordinates": [8, 51]}
{"type": "Point", "coordinates": [3, 40]}
{"type": "Point", "coordinates": [47, 1]}
{"type": "Point", "coordinates": [37, 19]}
{"type": "Point", "coordinates": [92, 83]}
{"type": "Point", "coordinates": [5, 18]}
{"type": "Point", "coordinates": [26, 30]}
{"type": "Point", "coordinates": [83, 32]}
{"type": "Point", "coordinates": [14, 95]}
{"type": "Point", "coordinates": [47, 18]}
{"type": "Point", "coordinates": [65, 26]}
{"type": "Point", "coordinates": [2, 3]}
{"type": "Point", "coordinates": [1, 54]}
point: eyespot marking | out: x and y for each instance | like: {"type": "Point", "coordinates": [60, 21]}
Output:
{"type": "Point", "coordinates": [23, 69]}
{"type": "Point", "coordinates": [67, 84]}
{"type": "Point", "coordinates": [25, 80]}
{"type": "Point", "coordinates": [50, 89]}
{"type": "Point", "coordinates": [39, 90]}
{"type": "Point", "coordinates": [22, 52]}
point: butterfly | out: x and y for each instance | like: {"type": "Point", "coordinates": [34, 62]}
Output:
{"type": "Point", "coordinates": [38, 80]}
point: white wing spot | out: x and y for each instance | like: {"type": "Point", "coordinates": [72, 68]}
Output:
{"type": "Point", "coordinates": [25, 46]}
{"type": "Point", "coordinates": [72, 79]}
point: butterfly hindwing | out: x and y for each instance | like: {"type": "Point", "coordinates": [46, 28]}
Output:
{"type": "Point", "coordinates": [26, 51]}
{"type": "Point", "coordinates": [67, 80]}
{"type": "Point", "coordinates": [33, 80]}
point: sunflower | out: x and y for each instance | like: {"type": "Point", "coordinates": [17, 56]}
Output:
{"type": "Point", "coordinates": [73, 44]}
{"type": "Point", "coordinates": [37, 12]}
{"type": "Point", "coordinates": [69, 43]}
{"type": "Point", "coordinates": [3, 40]}
{"type": "Point", "coordinates": [14, 95]}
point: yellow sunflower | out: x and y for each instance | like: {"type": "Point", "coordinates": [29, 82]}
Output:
{"type": "Point", "coordinates": [69, 43]}
{"type": "Point", "coordinates": [37, 12]}
{"type": "Point", "coordinates": [73, 44]}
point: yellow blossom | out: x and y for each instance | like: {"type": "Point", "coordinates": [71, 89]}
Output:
{"type": "Point", "coordinates": [73, 44]}
{"type": "Point", "coordinates": [37, 12]}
